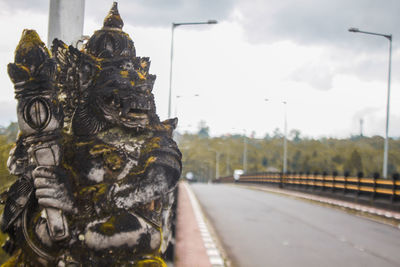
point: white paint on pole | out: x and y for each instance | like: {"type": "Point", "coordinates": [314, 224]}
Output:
{"type": "Point", "coordinates": [66, 19]}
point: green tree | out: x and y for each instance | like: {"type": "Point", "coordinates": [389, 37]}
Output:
{"type": "Point", "coordinates": [304, 155]}
{"type": "Point", "coordinates": [203, 130]}
{"type": "Point", "coordinates": [295, 135]}
{"type": "Point", "coordinates": [354, 163]}
{"type": "Point", "coordinates": [295, 161]}
{"type": "Point", "coordinates": [7, 137]}
{"type": "Point", "coordinates": [264, 162]}
{"type": "Point", "coordinates": [277, 133]}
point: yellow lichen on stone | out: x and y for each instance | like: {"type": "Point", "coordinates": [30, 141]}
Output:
{"type": "Point", "coordinates": [96, 190]}
{"type": "Point", "coordinates": [142, 169]}
{"type": "Point", "coordinates": [70, 169]}
{"type": "Point", "coordinates": [161, 238]}
{"type": "Point", "coordinates": [113, 161]}
{"type": "Point", "coordinates": [151, 262]}
{"type": "Point", "coordinates": [23, 67]}
{"type": "Point", "coordinates": [13, 261]}
{"type": "Point", "coordinates": [163, 127]}
{"type": "Point", "coordinates": [152, 144]}
{"type": "Point", "coordinates": [124, 73]}
{"type": "Point", "coordinates": [79, 144]}
{"type": "Point", "coordinates": [143, 64]}
{"type": "Point", "coordinates": [108, 227]}
{"type": "Point", "coordinates": [149, 161]}
{"type": "Point", "coordinates": [29, 40]}
{"type": "Point", "coordinates": [141, 75]}
{"type": "Point", "coordinates": [112, 16]}
{"type": "Point", "coordinates": [101, 149]}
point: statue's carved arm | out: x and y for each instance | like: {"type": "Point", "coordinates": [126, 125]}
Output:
{"type": "Point", "coordinates": [53, 189]}
{"type": "Point", "coordinates": [159, 178]}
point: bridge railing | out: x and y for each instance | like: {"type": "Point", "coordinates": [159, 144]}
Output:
{"type": "Point", "coordinates": [373, 191]}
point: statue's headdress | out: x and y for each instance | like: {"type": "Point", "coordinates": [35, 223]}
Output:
{"type": "Point", "coordinates": [114, 48]}
{"type": "Point", "coordinates": [111, 42]}
{"type": "Point", "coordinates": [107, 73]}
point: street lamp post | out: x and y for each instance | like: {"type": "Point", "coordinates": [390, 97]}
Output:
{"type": "Point", "coordinates": [285, 141]}
{"type": "Point", "coordinates": [284, 169]}
{"type": "Point", "coordinates": [386, 145]}
{"type": "Point", "coordinates": [228, 163]}
{"type": "Point", "coordinates": [244, 156]}
{"type": "Point", "coordinates": [244, 151]}
{"type": "Point", "coordinates": [174, 25]}
{"type": "Point", "coordinates": [217, 155]}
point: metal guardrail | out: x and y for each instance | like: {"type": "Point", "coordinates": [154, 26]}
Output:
{"type": "Point", "coordinates": [359, 189]}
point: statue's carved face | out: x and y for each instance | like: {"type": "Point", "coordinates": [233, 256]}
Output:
{"type": "Point", "coordinates": [119, 99]}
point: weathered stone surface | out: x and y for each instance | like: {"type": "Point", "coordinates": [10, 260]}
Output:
{"type": "Point", "coordinates": [96, 168]}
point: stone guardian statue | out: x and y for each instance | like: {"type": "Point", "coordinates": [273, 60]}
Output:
{"type": "Point", "coordinates": [97, 170]}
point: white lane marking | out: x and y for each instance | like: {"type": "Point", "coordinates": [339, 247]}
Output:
{"type": "Point", "coordinates": [212, 251]}
{"type": "Point", "coordinates": [217, 261]}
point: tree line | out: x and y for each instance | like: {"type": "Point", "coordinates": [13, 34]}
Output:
{"type": "Point", "coordinates": [8, 136]}
{"type": "Point", "coordinates": [355, 155]}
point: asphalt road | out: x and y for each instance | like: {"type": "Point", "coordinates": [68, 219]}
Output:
{"type": "Point", "coordinates": [265, 229]}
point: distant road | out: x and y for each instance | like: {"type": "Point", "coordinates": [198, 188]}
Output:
{"type": "Point", "coordinates": [265, 229]}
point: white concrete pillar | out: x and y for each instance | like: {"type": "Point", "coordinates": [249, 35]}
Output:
{"type": "Point", "coordinates": [66, 21]}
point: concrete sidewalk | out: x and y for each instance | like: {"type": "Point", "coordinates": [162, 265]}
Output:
{"type": "Point", "coordinates": [194, 246]}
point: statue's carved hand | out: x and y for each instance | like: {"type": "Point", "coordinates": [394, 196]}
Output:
{"type": "Point", "coordinates": [53, 189]}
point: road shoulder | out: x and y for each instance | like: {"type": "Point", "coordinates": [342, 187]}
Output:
{"type": "Point", "coordinates": [195, 246]}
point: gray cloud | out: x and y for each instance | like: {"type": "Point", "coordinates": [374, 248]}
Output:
{"type": "Point", "coordinates": [320, 22]}
{"type": "Point", "coordinates": [326, 23]}
{"type": "Point", "coordinates": [162, 13]}
{"type": "Point", "coordinates": [319, 77]}
{"type": "Point", "coordinates": [373, 67]}
{"type": "Point", "coordinates": [141, 12]}
{"type": "Point", "coordinates": [305, 22]}
{"type": "Point", "coordinates": [37, 6]}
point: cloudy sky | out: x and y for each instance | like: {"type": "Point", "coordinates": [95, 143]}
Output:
{"type": "Point", "coordinates": [297, 51]}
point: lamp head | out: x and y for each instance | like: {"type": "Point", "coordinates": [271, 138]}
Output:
{"type": "Point", "coordinates": [352, 29]}
{"type": "Point", "coordinates": [212, 21]}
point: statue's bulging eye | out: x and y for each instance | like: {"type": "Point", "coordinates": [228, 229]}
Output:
{"type": "Point", "coordinates": [127, 66]}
